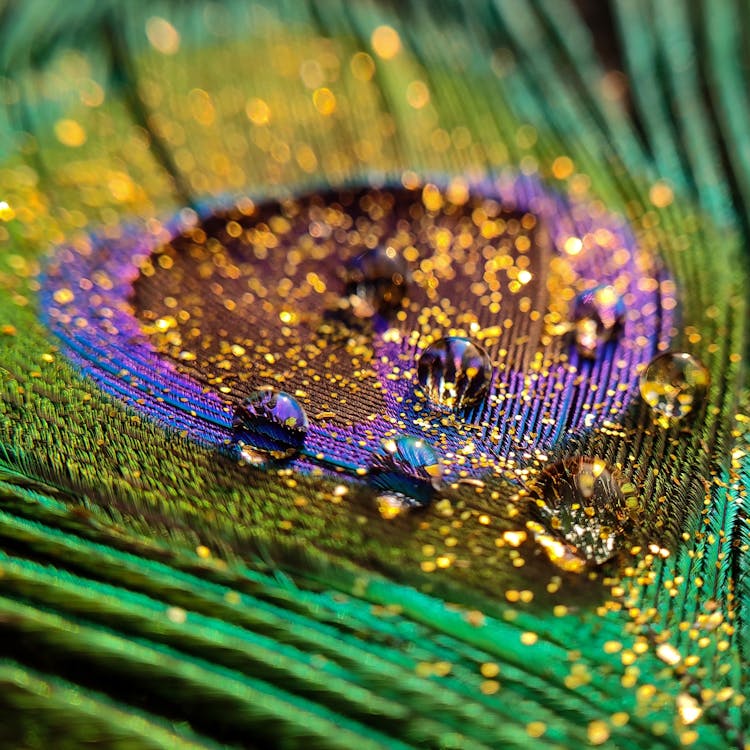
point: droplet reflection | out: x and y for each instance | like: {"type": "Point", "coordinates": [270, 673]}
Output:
{"type": "Point", "coordinates": [269, 425]}
{"type": "Point", "coordinates": [407, 473]}
{"type": "Point", "coordinates": [376, 282]}
{"type": "Point", "coordinates": [673, 385]}
{"type": "Point", "coordinates": [598, 317]}
{"type": "Point", "coordinates": [453, 373]}
{"type": "Point", "coordinates": [581, 502]}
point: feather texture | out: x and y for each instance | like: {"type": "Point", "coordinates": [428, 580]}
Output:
{"type": "Point", "coordinates": [156, 592]}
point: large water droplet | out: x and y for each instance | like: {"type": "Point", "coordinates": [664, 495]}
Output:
{"type": "Point", "coordinates": [673, 385]}
{"type": "Point", "coordinates": [598, 316]}
{"type": "Point", "coordinates": [581, 502]}
{"type": "Point", "coordinates": [453, 373]}
{"type": "Point", "coordinates": [407, 473]}
{"type": "Point", "coordinates": [376, 282]}
{"type": "Point", "coordinates": [269, 425]}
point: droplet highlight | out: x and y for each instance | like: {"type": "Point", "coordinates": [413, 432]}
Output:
{"type": "Point", "coordinates": [407, 473]}
{"type": "Point", "coordinates": [269, 425]}
{"type": "Point", "coordinates": [673, 385]}
{"type": "Point", "coordinates": [581, 502]}
{"type": "Point", "coordinates": [377, 282]}
{"type": "Point", "coordinates": [598, 318]}
{"type": "Point", "coordinates": [453, 373]}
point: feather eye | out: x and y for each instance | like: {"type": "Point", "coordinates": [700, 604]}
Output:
{"type": "Point", "coordinates": [470, 305]}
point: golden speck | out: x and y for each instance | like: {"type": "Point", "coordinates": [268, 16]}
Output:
{"type": "Point", "coordinates": [489, 687]}
{"type": "Point", "coordinates": [388, 510]}
{"type": "Point", "coordinates": [489, 670]}
{"type": "Point", "coordinates": [668, 654]}
{"type": "Point", "coordinates": [324, 415]}
{"type": "Point", "coordinates": [475, 618]}
{"type": "Point", "coordinates": [63, 296]}
{"type": "Point", "coordinates": [324, 101]}
{"type": "Point", "coordinates": [573, 245]}
{"type": "Point", "coordinates": [417, 94]}
{"type": "Point", "coordinates": [661, 194]}
{"type": "Point", "coordinates": [442, 668]}
{"type": "Point", "coordinates": [528, 638]}
{"type": "Point", "coordinates": [598, 732]}
{"type": "Point", "coordinates": [689, 737]}
{"type": "Point", "coordinates": [176, 614]}
{"type": "Point", "coordinates": [162, 36]}
{"type": "Point", "coordinates": [203, 552]}
{"type": "Point", "coordinates": [70, 133]}
{"type": "Point", "coordinates": [6, 212]}
{"type": "Point", "coordinates": [562, 167]}
{"type": "Point", "coordinates": [514, 538]}
{"type": "Point", "coordinates": [386, 42]}
{"type": "Point", "coordinates": [362, 66]}
{"type": "Point", "coordinates": [432, 198]}
{"type": "Point", "coordinates": [258, 111]}
{"type": "Point", "coordinates": [688, 708]}
{"type": "Point", "coordinates": [536, 729]}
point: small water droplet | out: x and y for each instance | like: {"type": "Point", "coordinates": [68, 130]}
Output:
{"type": "Point", "coordinates": [673, 385]}
{"type": "Point", "coordinates": [580, 501]}
{"type": "Point", "coordinates": [376, 282]}
{"type": "Point", "coordinates": [453, 373]}
{"type": "Point", "coordinates": [407, 472]}
{"type": "Point", "coordinates": [598, 316]}
{"type": "Point", "coordinates": [269, 425]}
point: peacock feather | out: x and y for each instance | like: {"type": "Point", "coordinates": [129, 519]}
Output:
{"type": "Point", "coordinates": [371, 374]}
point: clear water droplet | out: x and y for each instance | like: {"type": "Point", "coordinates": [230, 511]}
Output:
{"type": "Point", "coordinates": [453, 373]}
{"type": "Point", "coordinates": [581, 502]}
{"type": "Point", "coordinates": [673, 385]}
{"type": "Point", "coordinates": [598, 317]}
{"type": "Point", "coordinates": [269, 425]}
{"type": "Point", "coordinates": [377, 282]}
{"type": "Point", "coordinates": [406, 472]}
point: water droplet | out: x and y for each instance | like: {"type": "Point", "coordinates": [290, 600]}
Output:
{"type": "Point", "coordinates": [580, 501]}
{"type": "Point", "coordinates": [407, 472]}
{"type": "Point", "coordinates": [269, 425]}
{"type": "Point", "coordinates": [673, 384]}
{"type": "Point", "coordinates": [453, 373]}
{"type": "Point", "coordinates": [376, 282]}
{"type": "Point", "coordinates": [598, 316]}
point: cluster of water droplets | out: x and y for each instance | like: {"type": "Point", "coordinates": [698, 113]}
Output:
{"type": "Point", "coordinates": [581, 505]}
